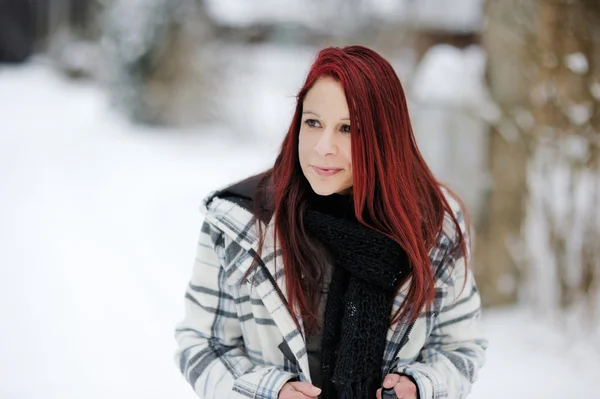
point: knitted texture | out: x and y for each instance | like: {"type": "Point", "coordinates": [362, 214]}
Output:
{"type": "Point", "coordinates": [367, 269]}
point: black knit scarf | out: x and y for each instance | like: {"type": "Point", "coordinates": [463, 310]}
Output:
{"type": "Point", "coordinates": [367, 269]}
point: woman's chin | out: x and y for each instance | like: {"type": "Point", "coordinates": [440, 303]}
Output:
{"type": "Point", "coordinates": [322, 189]}
{"type": "Point", "coordinates": [325, 190]}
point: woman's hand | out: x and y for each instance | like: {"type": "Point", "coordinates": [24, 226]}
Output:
{"type": "Point", "coordinates": [403, 386]}
{"type": "Point", "coordinates": [299, 390]}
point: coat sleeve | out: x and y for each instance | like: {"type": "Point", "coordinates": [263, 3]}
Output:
{"type": "Point", "coordinates": [211, 353]}
{"type": "Point", "coordinates": [453, 353]}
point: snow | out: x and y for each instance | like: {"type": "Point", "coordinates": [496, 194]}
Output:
{"type": "Point", "coordinates": [577, 63]}
{"type": "Point", "coordinates": [265, 107]}
{"type": "Point", "coordinates": [451, 109]}
{"type": "Point", "coordinates": [450, 76]}
{"type": "Point", "coordinates": [579, 114]}
{"type": "Point", "coordinates": [529, 358]}
{"type": "Point", "coordinates": [99, 222]}
{"type": "Point", "coordinates": [464, 15]}
{"type": "Point", "coordinates": [562, 216]}
{"type": "Point", "coordinates": [595, 90]}
{"type": "Point", "coordinates": [246, 13]}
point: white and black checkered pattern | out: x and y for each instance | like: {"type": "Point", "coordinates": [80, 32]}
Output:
{"type": "Point", "coordinates": [238, 340]}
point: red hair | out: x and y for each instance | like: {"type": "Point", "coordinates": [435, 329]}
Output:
{"type": "Point", "coordinates": [394, 191]}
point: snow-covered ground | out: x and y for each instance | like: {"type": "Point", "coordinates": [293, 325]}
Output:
{"type": "Point", "coordinates": [98, 222]}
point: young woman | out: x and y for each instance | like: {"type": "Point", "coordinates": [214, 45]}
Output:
{"type": "Point", "coordinates": [342, 271]}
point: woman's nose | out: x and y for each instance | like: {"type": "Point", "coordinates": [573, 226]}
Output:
{"type": "Point", "coordinates": [326, 144]}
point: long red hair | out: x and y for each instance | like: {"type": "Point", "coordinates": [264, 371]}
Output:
{"type": "Point", "coordinates": [394, 191]}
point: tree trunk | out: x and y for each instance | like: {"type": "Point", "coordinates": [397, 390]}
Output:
{"type": "Point", "coordinates": [497, 266]}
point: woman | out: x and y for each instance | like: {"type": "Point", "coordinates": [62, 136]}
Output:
{"type": "Point", "coordinates": [342, 270]}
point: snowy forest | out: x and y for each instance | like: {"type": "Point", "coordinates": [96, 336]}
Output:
{"type": "Point", "coordinates": [119, 116]}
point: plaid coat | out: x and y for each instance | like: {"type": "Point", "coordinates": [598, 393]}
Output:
{"type": "Point", "coordinates": [238, 339]}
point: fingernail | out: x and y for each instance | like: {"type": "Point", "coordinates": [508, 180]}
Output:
{"type": "Point", "coordinates": [316, 390]}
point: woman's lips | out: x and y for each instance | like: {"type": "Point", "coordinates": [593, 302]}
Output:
{"type": "Point", "coordinates": [323, 171]}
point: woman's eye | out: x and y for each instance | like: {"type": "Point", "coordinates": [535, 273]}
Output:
{"type": "Point", "coordinates": [345, 129]}
{"type": "Point", "coordinates": [311, 123]}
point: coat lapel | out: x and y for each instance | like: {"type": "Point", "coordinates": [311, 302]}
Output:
{"type": "Point", "coordinates": [267, 281]}
{"type": "Point", "coordinates": [267, 278]}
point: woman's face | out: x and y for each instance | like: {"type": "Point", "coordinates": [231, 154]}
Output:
{"type": "Point", "coordinates": [324, 143]}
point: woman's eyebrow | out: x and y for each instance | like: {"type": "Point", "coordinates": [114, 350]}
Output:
{"type": "Point", "coordinates": [318, 116]}
{"type": "Point", "coordinates": [310, 112]}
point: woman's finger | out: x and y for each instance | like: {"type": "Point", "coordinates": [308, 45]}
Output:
{"type": "Point", "coordinates": [391, 380]}
{"type": "Point", "coordinates": [306, 388]}
{"type": "Point", "coordinates": [405, 388]}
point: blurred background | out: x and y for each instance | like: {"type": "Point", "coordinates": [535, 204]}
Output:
{"type": "Point", "coordinates": [118, 116]}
